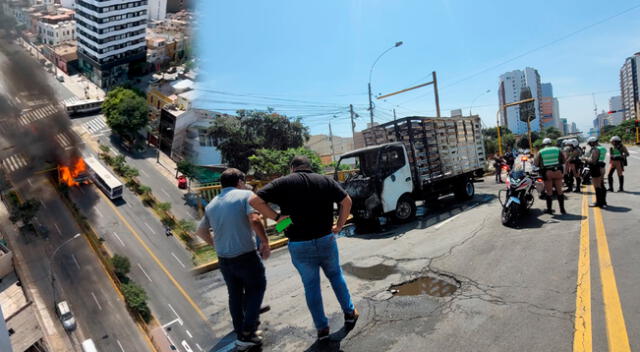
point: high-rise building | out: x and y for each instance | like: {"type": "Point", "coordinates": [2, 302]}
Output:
{"type": "Point", "coordinates": [556, 113]}
{"type": "Point", "coordinates": [615, 104]}
{"type": "Point", "coordinates": [546, 106]}
{"type": "Point", "coordinates": [573, 129]}
{"type": "Point", "coordinates": [110, 37]}
{"type": "Point", "coordinates": [157, 10]}
{"type": "Point", "coordinates": [511, 84]}
{"type": "Point", "coordinates": [629, 85]}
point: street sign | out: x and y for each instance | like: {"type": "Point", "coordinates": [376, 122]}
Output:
{"type": "Point", "coordinates": [527, 110]}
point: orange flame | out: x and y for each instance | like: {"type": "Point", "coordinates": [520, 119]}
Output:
{"type": "Point", "coordinates": [69, 174]}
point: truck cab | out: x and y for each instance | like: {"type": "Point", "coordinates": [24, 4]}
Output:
{"type": "Point", "coordinates": [380, 181]}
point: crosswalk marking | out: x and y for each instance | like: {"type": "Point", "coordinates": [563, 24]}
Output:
{"type": "Point", "coordinates": [14, 162]}
{"type": "Point", "coordinates": [37, 114]}
{"type": "Point", "coordinates": [69, 101]}
{"type": "Point", "coordinates": [63, 139]}
{"type": "Point", "coordinates": [95, 125]}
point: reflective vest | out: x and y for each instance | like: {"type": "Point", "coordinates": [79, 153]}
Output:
{"type": "Point", "coordinates": [550, 156]}
{"type": "Point", "coordinates": [615, 152]}
{"type": "Point", "coordinates": [603, 153]}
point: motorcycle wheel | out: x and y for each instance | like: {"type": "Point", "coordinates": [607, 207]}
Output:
{"type": "Point", "coordinates": [509, 214]}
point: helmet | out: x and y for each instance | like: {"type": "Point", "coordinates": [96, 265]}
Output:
{"type": "Point", "coordinates": [575, 143]}
{"type": "Point", "coordinates": [615, 139]}
{"type": "Point", "coordinates": [592, 140]}
{"type": "Point", "coordinates": [566, 142]}
{"type": "Point", "coordinates": [546, 141]}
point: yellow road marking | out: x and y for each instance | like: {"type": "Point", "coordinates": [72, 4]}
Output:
{"type": "Point", "coordinates": [155, 258]}
{"type": "Point", "coordinates": [582, 340]}
{"type": "Point", "coordinates": [616, 328]}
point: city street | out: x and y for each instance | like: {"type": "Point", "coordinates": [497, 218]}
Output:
{"type": "Point", "coordinates": [515, 289]}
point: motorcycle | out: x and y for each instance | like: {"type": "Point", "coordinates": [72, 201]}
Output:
{"type": "Point", "coordinates": [519, 195]}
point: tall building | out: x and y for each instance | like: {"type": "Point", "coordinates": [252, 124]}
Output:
{"type": "Point", "coordinates": [511, 84]}
{"type": "Point", "coordinates": [573, 128]}
{"type": "Point", "coordinates": [157, 10]}
{"type": "Point", "coordinates": [629, 85]}
{"type": "Point", "coordinates": [615, 104]}
{"type": "Point", "coordinates": [556, 113]}
{"type": "Point", "coordinates": [546, 106]}
{"type": "Point", "coordinates": [110, 38]}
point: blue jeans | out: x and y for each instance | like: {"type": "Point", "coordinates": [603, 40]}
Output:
{"type": "Point", "coordinates": [246, 283]}
{"type": "Point", "coordinates": [308, 257]}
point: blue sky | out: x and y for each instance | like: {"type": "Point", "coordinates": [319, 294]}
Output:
{"type": "Point", "coordinates": [312, 59]}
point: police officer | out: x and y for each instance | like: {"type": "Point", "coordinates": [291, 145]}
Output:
{"type": "Point", "coordinates": [550, 160]}
{"type": "Point", "coordinates": [572, 168]}
{"type": "Point", "coordinates": [618, 154]}
{"type": "Point", "coordinates": [595, 158]}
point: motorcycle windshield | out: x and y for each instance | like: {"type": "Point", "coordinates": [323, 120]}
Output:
{"type": "Point", "coordinates": [517, 175]}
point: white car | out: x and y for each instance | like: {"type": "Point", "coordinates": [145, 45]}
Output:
{"type": "Point", "coordinates": [66, 317]}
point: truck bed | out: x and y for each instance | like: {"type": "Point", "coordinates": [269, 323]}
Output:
{"type": "Point", "coordinates": [438, 148]}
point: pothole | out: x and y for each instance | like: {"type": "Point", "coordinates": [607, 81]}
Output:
{"type": "Point", "coordinates": [431, 284]}
{"type": "Point", "coordinates": [375, 272]}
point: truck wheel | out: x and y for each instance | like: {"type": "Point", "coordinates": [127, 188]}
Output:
{"type": "Point", "coordinates": [405, 209]}
{"type": "Point", "coordinates": [466, 190]}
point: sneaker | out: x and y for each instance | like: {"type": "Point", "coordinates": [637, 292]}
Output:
{"type": "Point", "coordinates": [245, 342]}
{"type": "Point", "coordinates": [351, 319]}
{"type": "Point", "coordinates": [323, 334]}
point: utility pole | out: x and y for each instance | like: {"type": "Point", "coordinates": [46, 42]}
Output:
{"type": "Point", "coordinates": [394, 114]}
{"type": "Point", "coordinates": [353, 123]}
{"type": "Point", "coordinates": [435, 92]}
{"type": "Point", "coordinates": [370, 105]}
{"type": "Point", "coordinates": [331, 141]}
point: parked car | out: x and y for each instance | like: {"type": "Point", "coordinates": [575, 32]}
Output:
{"type": "Point", "coordinates": [60, 78]}
{"type": "Point", "coordinates": [182, 182]}
{"type": "Point", "coordinates": [66, 317]}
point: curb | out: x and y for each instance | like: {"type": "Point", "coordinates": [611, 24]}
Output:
{"type": "Point", "coordinates": [213, 265]}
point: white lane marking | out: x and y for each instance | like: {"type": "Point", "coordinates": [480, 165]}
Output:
{"type": "Point", "coordinates": [129, 205]}
{"type": "Point", "coordinates": [149, 227]}
{"type": "Point", "coordinates": [186, 346]}
{"type": "Point", "coordinates": [75, 260]}
{"type": "Point", "coordinates": [99, 212]}
{"type": "Point", "coordinates": [170, 323]}
{"type": "Point", "coordinates": [43, 205]}
{"type": "Point", "coordinates": [120, 345]}
{"type": "Point", "coordinates": [144, 272]}
{"type": "Point", "coordinates": [165, 192]}
{"type": "Point", "coordinates": [119, 239]}
{"type": "Point", "coordinates": [144, 173]}
{"type": "Point", "coordinates": [437, 226]}
{"type": "Point", "coordinates": [178, 260]}
{"type": "Point", "coordinates": [57, 228]}
{"type": "Point", "coordinates": [96, 300]}
{"type": "Point", "coordinates": [188, 333]}
{"type": "Point", "coordinates": [30, 183]}
{"type": "Point", "coordinates": [174, 312]}
{"type": "Point", "coordinates": [200, 348]}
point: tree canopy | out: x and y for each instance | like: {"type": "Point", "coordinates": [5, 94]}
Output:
{"type": "Point", "coordinates": [270, 163]}
{"type": "Point", "coordinates": [125, 112]}
{"type": "Point", "coordinates": [626, 130]}
{"type": "Point", "coordinates": [239, 137]}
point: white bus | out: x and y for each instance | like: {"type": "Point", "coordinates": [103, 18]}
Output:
{"type": "Point", "coordinates": [104, 179]}
{"type": "Point", "coordinates": [80, 107]}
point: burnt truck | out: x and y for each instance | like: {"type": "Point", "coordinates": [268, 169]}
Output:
{"type": "Point", "coordinates": [410, 159]}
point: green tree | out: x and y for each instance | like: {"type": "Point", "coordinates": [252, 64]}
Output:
{"type": "Point", "coordinates": [269, 163]}
{"type": "Point", "coordinates": [626, 131]}
{"type": "Point", "coordinates": [130, 172]}
{"type": "Point", "coordinates": [126, 112]}
{"type": "Point", "coordinates": [144, 190]}
{"type": "Point", "coordinates": [551, 132]}
{"type": "Point", "coordinates": [26, 211]}
{"type": "Point", "coordinates": [239, 137]}
{"type": "Point", "coordinates": [164, 206]}
{"type": "Point", "coordinates": [121, 266]}
{"type": "Point", "coordinates": [136, 299]}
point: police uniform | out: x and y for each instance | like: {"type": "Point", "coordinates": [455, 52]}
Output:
{"type": "Point", "coordinates": [595, 158]}
{"type": "Point", "coordinates": [550, 160]}
{"type": "Point", "coordinates": [617, 157]}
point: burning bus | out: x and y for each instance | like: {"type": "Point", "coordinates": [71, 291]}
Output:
{"type": "Point", "coordinates": [89, 169]}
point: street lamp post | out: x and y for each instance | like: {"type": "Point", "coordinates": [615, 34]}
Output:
{"type": "Point", "coordinates": [53, 256]}
{"type": "Point", "coordinates": [397, 44]}
{"type": "Point", "coordinates": [498, 120]}
{"type": "Point", "coordinates": [476, 98]}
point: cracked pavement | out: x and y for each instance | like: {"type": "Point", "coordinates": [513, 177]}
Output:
{"type": "Point", "coordinates": [517, 287]}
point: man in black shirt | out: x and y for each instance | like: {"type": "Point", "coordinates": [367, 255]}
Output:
{"type": "Point", "coordinates": [308, 199]}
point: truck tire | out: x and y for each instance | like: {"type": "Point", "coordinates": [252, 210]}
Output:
{"type": "Point", "coordinates": [465, 190]}
{"type": "Point", "coordinates": [405, 209]}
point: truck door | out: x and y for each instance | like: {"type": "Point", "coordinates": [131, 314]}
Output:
{"type": "Point", "coordinates": [396, 176]}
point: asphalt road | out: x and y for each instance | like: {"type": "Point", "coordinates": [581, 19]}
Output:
{"type": "Point", "coordinates": [80, 278]}
{"type": "Point", "coordinates": [517, 289]}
